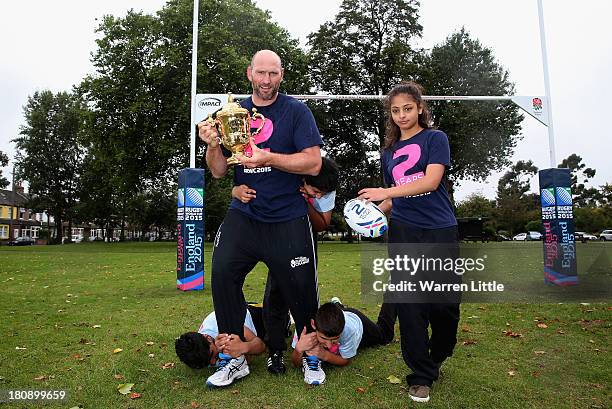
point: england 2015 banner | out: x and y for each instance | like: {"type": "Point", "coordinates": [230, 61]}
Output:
{"type": "Point", "coordinates": [558, 221]}
{"type": "Point", "coordinates": [190, 230]}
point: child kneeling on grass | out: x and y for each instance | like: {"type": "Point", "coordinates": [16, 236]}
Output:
{"type": "Point", "coordinates": [209, 348]}
{"type": "Point", "coordinates": [339, 333]}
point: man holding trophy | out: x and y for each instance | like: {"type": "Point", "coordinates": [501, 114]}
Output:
{"type": "Point", "coordinates": [273, 227]}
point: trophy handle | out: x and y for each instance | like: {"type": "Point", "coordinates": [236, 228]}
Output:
{"type": "Point", "coordinates": [211, 121]}
{"type": "Point", "coordinates": [263, 120]}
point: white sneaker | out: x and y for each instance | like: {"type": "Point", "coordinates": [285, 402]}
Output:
{"type": "Point", "coordinates": [229, 370]}
{"type": "Point", "coordinates": [335, 300]}
{"type": "Point", "coordinates": [313, 374]}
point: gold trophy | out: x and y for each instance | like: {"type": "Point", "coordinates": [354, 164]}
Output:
{"type": "Point", "coordinates": [233, 122]}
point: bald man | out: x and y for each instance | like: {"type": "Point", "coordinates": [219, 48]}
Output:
{"type": "Point", "coordinates": [273, 227]}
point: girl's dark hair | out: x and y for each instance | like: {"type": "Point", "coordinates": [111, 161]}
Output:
{"type": "Point", "coordinates": [329, 320]}
{"type": "Point", "coordinates": [193, 349]}
{"type": "Point", "coordinates": [327, 179]}
{"type": "Point", "coordinates": [414, 90]}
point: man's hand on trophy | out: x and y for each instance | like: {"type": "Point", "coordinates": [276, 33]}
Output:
{"type": "Point", "coordinates": [259, 157]}
{"type": "Point", "coordinates": [208, 133]}
{"type": "Point", "coordinates": [244, 193]}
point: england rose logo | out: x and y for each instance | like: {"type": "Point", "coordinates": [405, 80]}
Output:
{"type": "Point", "coordinates": [537, 104]}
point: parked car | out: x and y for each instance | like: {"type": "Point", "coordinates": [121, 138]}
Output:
{"type": "Point", "coordinates": [605, 235]}
{"type": "Point", "coordinates": [534, 235]}
{"type": "Point", "coordinates": [529, 236]}
{"type": "Point", "coordinates": [22, 241]}
{"type": "Point", "coordinates": [584, 237]}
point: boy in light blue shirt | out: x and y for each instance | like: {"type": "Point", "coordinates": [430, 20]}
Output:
{"type": "Point", "coordinates": [340, 332]}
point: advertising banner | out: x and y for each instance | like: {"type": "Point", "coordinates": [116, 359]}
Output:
{"type": "Point", "coordinates": [190, 230]}
{"type": "Point", "coordinates": [558, 227]}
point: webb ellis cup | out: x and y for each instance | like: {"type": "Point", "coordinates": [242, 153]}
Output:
{"type": "Point", "coordinates": [233, 122]}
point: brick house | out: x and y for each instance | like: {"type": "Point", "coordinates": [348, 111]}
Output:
{"type": "Point", "coordinates": [16, 220]}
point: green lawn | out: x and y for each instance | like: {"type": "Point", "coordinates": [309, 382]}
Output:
{"type": "Point", "coordinates": [65, 309]}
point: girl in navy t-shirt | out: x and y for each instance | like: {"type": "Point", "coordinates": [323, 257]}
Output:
{"type": "Point", "coordinates": [415, 158]}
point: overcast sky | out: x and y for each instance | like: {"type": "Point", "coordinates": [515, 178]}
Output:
{"type": "Point", "coordinates": [47, 45]}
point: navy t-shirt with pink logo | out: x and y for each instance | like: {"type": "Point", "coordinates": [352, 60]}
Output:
{"type": "Point", "coordinates": [405, 162]}
{"type": "Point", "coordinates": [289, 128]}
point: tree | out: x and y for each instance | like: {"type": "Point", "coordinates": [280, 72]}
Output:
{"type": "Point", "coordinates": [591, 219]}
{"type": "Point", "coordinates": [49, 153]}
{"type": "Point", "coordinates": [515, 206]}
{"type": "Point", "coordinates": [140, 93]}
{"type": "Point", "coordinates": [366, 49]}
{"type": "Point", "coordinates": [583, 195]}
{"type": "Point", "coordinates": [4, 160]}
{"type": "Point", "coordinates": [98, 200]}
{"type": "Point", "coordinates": [476, 205]}
{"type": "Point", "coordinates": [483, 134]}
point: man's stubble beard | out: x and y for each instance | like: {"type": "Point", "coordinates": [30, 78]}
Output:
{"type": "Point", "coordinates": [273, 94]}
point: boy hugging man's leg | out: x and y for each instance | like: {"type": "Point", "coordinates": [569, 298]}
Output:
{"type": "Point", "coordinates": [340, 332]}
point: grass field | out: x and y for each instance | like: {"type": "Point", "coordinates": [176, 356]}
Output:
{"type": "Point", "coordinates": [65, 310]}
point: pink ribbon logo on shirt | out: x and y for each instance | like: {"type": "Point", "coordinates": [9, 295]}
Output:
{"type": "Point", "coordinates": [262, 136]}
{"type": "Point", "coordinates": [413, 153]}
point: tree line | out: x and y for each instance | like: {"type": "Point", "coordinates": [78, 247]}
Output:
{"type": "Point", "coordinates": [109, 151]}
{"type": "Point", "coordinates": [515, 209]}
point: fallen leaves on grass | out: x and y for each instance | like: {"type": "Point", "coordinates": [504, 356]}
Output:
{"type": "Point", "coordinates": [360, 390]}
{"type": "Point", "coordinates": [117, 350]}
{"type": "Point", "coordinates": [135, 395]}
{"type": "Point", "coordinates": [149, 343]}
{"type": "Point", "coordinates": [512, 334]}
{"type": "Point", "coordinates": [125, 388]}
{"type": "Point", "coordinates": [118, 376]}
{"type": "Point", "coordinates": [168, 365]}
{"type": "Point", "coordinates": [195, 405]}
{"type": "Point", "coordinates": [96, 326]}
{"type": "Point", "coordinates": [465, 328]}
{"type": "Point", "coordinates": [512, 373]}
{"type": "Point", "coordinates": [41, 378]}
{"type": "Point", "coordinates": [542, 325]}
{"type": "Point", "coordinates": [20, 348]}
{"type": "Point", "coordinates": [394, 379]}
{"type": "Point", "coordinates": [539, 352]}
{"type": "Point", "coordinates": [468, 342]}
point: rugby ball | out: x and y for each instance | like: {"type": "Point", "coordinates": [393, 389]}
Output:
{"type": "Point", "coordinates": [365, 218]}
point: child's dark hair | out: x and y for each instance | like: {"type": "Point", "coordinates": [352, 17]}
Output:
{"type": "Point", "coordinates": [329, 320]}
{"type": "Point", "coordinates": [414, 90]}
{"type": "Point", "coordinates": [327, 179]}
{"type": "Point", "coordinates": [193, 349]}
